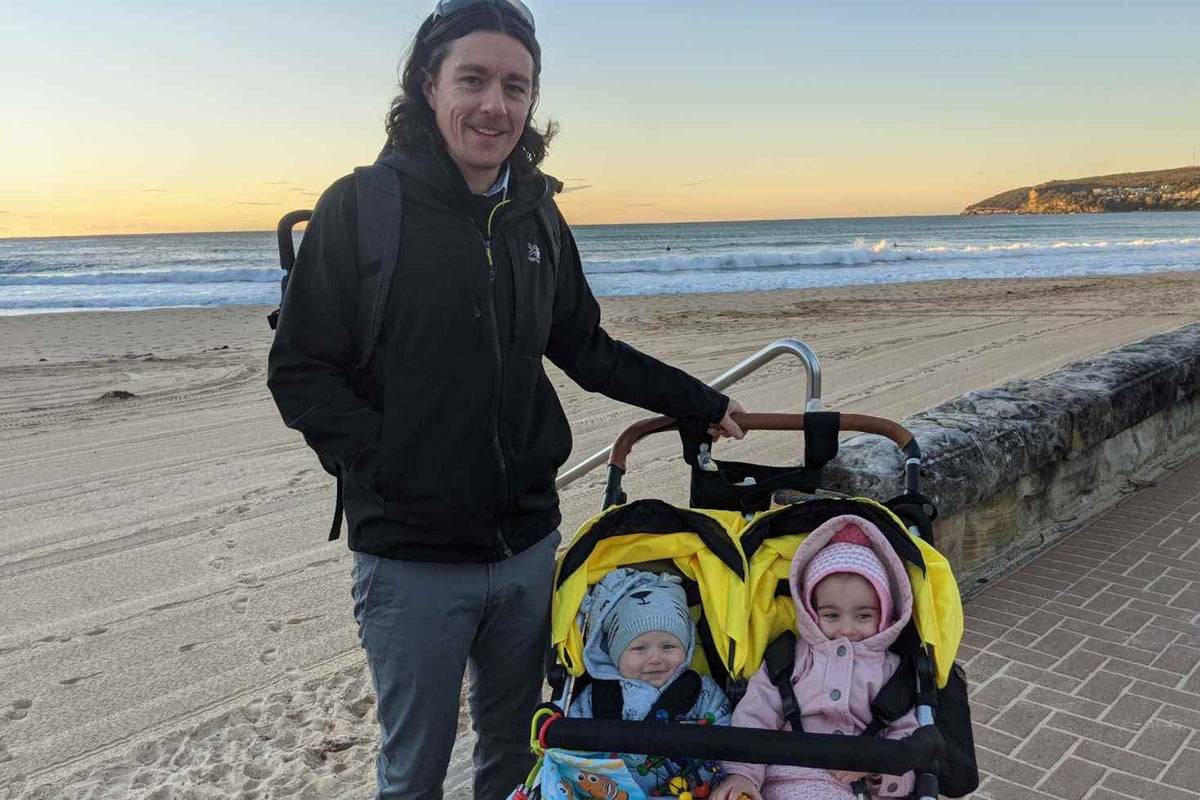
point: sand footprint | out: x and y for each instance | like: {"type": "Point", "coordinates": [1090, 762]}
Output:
{"type": "Point", "coordinates": [19, 709]}
{"type": "Point", "coordinates": [249, 580]}
{"type": "Point", "coordinates": [218, 562]}
{"type": "Point", "coordinates": [187, 648]}
{"type": "Point", "coordinates": [73, 681]}
{"type": "Point", "coordinates": [253, 710]}
{"type": "Point", "coordinates": [231, 543]}
{"type": "Point", "coordinates": [240, 604]}
{"type": "Point", "coordinates": [269, 656]}
{"type": "Point", "coordinates": [274, 626]}
{"type": "Point", "coordinates": [95, 631]}
{"type": "Point", "coordinates": [148, 752]}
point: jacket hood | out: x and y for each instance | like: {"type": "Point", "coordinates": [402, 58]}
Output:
{"type": "Point", "coordinates": [598, 605]}
{"type": "Point", "coordinates": [444, 184]}
{"type": "Point", "coordinates": [901, 588]}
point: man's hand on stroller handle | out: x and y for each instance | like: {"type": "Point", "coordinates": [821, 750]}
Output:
{"type": "Point", "coordinates": [735, 787]}
{"type": "Point", "coordinates": [727, 427]}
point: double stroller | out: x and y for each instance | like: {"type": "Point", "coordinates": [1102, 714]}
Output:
{"type": "Point", "coordinates": [732, 550]}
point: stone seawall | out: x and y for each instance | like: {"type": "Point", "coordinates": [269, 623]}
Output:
{"type": "Point", "coordinates": [1015, 468]}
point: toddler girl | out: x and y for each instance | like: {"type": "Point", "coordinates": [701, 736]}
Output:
{"type": "Point", "coordinates": [844, 578]}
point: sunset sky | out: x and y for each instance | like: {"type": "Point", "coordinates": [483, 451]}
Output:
{"type": "Point", "coordinates": [124, 117]}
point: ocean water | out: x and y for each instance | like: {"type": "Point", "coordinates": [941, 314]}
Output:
{"type": "Point", "coordinates": [218, 269]}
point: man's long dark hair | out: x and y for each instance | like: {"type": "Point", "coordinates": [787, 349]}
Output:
{"type": "Point", "coordinates": [411, 121]}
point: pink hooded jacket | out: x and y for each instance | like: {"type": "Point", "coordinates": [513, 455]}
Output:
{"type": "Point", "coordinates": [834, 681]}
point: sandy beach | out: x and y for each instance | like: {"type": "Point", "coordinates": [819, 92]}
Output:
{"type": "Point", "coordinates": [174, 622]}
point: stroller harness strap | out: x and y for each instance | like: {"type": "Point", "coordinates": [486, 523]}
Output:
{"type": "Point", "coordinates": [608, 701]}
{"type": "Point", "coordinates": [780, 658]}
{"type": "Point", "coordinates": [894, 698]}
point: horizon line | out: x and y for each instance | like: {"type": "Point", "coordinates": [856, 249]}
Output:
{"type": "Point", "coordinates": [573, 226]}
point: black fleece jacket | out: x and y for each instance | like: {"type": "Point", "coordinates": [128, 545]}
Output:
{"type": "Point", "coordinates": [450, 447]}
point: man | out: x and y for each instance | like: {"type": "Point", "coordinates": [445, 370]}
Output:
{"type": "Point", "coordinates": [448, 443]}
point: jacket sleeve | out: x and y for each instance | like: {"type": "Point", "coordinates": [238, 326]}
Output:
{"type": "Point", "coordinates": [583, 349]}
{"type": "Point", "coordinates": [759, 708]}
{"type": "Point", "coordinates": [311, 358]}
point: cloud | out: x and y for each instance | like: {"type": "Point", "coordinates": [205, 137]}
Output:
{"type": "Point", "coordinates": [253, 203]}
{"type": "Point", "coordinates": [641, 205]}
{"type": "Point", "coordinates": [698, 183]}
{"type": "Point", "coordinates": [105, 227]}
{"type": "Point", "coordinates": [569, 189]}
{"type": "Point", "coordinates": [575, 180]}
{"type": "Point", "coordinates": [5, 212]}
{"type": "Point", "coordinates": [154, 191]}
{"type": "Point", "coordinates": [289, 186]}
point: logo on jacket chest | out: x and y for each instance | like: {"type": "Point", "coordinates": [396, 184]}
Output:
{"type": "Point", "coordinates": [533, 253]}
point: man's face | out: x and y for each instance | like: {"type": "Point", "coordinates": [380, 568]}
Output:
{"type": "Point", "coordinates": [481, 98]}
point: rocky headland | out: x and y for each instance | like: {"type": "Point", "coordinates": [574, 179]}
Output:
{"type": "Point", "coordinates": [1162, 190]}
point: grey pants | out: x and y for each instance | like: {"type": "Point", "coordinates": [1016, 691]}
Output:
{"type": "Point", "coordinates": [423, 624]}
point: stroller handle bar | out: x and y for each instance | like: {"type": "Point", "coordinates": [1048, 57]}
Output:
{"type": "Point", "coordinates": [794, 347]}
{"type": "Point", "coordinates": [860, 423]}
{"type": "Point", "coordinates": [902, 437]}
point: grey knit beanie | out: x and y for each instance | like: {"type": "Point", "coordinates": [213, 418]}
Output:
{"type": "Point", "coordinates": [660, 606]}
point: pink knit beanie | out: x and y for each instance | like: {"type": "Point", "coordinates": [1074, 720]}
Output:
{"type": "Point", "coordinates": [849, 551]}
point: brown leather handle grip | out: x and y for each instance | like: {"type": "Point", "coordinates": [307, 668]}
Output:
{"type": "Point", "coordinates": [861, 423]}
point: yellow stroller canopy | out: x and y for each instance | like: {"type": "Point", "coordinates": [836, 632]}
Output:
{"type": "Point", "coordinates": [700, 546]}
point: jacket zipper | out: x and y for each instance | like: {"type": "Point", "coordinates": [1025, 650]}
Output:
{"type": "Point", "coordinates": [487, 248]}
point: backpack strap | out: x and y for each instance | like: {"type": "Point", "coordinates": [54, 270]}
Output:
{"type": "Point", "coordinates": [339, 509]}
{"type": "Point", "coordinates": [780, 658]}
{"type": "Point", "coordinates": [377, 194]}
{"type": "Point", "coordinates": [380, 217]}
{"type": "Point", "coordinates": [608, 701]}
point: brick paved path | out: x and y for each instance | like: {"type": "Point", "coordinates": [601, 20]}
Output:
{"type": "Point", "coordinates": [1085, 664]}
